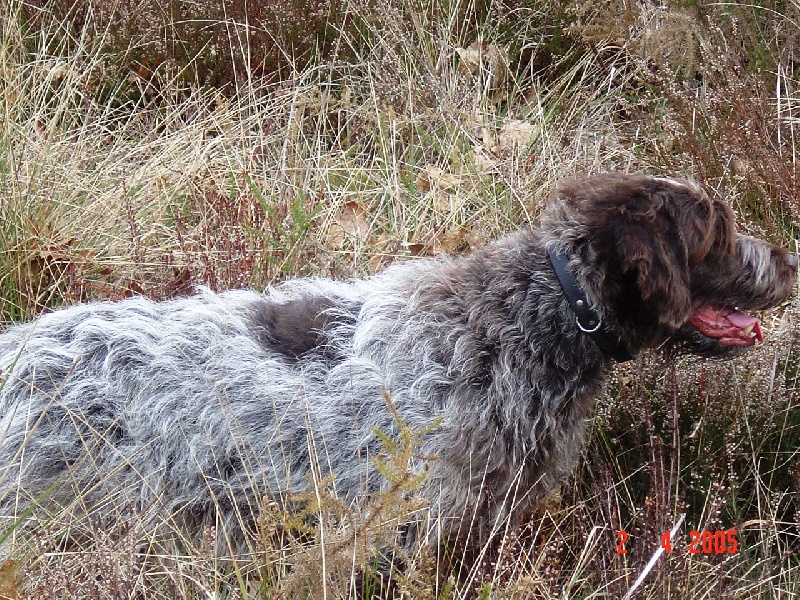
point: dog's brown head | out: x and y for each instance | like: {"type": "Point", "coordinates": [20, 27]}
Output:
{"type": "Point", "coordinates": [663, 262]}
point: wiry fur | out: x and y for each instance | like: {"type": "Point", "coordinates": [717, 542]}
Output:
{"type": "Point", "coordinates": [199, 407]}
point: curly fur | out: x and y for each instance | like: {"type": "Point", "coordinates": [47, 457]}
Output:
{"type": "Point", "coordinates": [198, 407]}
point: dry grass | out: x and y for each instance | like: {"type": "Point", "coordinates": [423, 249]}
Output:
{"type": "Point", "coordinates": [436, 136]}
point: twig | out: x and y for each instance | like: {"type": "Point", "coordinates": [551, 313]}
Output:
{"type": "Point", "coordinates": [654, 559]}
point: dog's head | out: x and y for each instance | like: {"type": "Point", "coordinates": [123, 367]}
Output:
{"type": "Point", "coordinates": [663, 262]}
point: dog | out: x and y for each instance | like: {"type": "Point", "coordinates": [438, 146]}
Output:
{"type": "Point", "coordinates": [198, 408]}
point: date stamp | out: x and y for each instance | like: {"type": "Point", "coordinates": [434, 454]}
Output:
{"type": "Point", "coordinates": [700, 542]}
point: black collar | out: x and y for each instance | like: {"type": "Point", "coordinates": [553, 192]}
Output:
{"type": "Point", "coordinates": [587, 318]}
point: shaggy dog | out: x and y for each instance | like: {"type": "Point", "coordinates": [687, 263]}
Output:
{"type": "Point", "coordinates": [196, 409]}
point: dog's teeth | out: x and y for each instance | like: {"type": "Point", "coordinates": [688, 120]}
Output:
{"type": "Point", "coordinates": [749, 331]}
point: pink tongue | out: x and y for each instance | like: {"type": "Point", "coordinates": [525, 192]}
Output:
{"type": "Point", "coordinates": [731, 328]}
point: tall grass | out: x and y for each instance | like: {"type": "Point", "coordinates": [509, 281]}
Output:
{"type": "Point", "coordinates": [412, 129]}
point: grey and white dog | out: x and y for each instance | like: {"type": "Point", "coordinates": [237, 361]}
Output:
{"type": "Point", "coordinates": [197, 409]}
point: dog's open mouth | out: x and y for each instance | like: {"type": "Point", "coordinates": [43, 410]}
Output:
{"type": "Point", "coordinates": [728, 326]}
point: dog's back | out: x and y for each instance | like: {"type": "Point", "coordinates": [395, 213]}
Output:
{"type": "Point", "coordinates": [198, 407]}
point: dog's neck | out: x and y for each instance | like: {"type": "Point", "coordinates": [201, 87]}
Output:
{"type": "Point", "coordinates": [587, 318]}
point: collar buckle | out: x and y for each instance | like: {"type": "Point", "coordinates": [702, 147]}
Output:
{"type": "Point", "coordinates": [586, 317]}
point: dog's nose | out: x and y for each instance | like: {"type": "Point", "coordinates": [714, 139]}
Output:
{"type": "Point", "coordinates": [791, 260]}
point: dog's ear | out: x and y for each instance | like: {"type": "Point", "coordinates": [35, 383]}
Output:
{"type": "Point", "coordinates": [663, 230]}
{"type": "Point", "coordinates": [653, 231]}
{"type": "Point", "coordinates": [660, 267]}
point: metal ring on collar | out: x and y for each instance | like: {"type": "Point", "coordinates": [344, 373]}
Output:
{"type": "Point", "coordinates": [586, 329]}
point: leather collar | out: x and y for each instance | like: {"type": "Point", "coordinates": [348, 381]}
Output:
{"type": "Point", "coordinates": [587, 318]}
